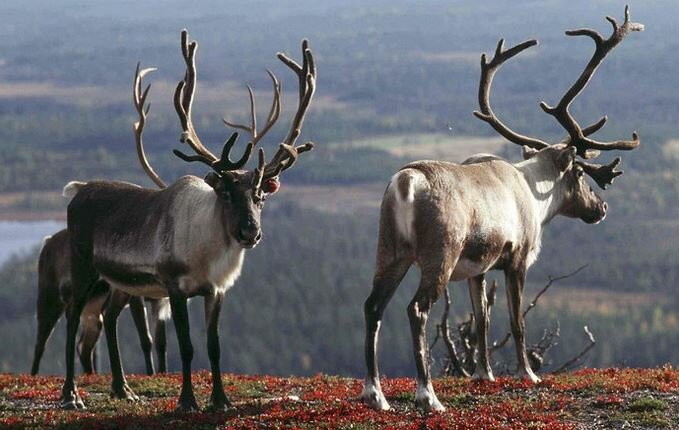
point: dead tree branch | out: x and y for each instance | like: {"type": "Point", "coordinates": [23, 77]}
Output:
{"type": "Point", "coordinates": [460, 343]}
{"type": "Point", "coordinates": [575, 360]}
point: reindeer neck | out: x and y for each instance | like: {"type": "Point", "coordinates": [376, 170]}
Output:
{"type": "Point", "coordinates": [199, 220]}
{"type": "Point", "coordinates": [543, 180]}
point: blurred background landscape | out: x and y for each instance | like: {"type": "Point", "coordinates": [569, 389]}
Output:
{"type": "Point", "coordinates": [397, 82]}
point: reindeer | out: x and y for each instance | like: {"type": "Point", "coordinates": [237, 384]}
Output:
{"type": "Point", "coordinates": [457, 222]}
{"type": "Point", "coordinates": [54, 286]}
{"type": "Point", "coordinates": [188, 239]}
{"type": "Point", "coordinates": [54, 289]}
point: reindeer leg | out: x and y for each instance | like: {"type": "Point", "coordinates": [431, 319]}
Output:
{"type": "Point", "coordinates": [477, 292]}
{"type": "Point", "coordinates": [70, 399]}
{"type": "Point", "coordinates": [213, 306]}
{"type": "Point", "coordinates": [514, 286]}
{"type": "Point", "coordinates": [159, 334]}
{"type": "Point", "coordinates": [92, 323]}
{"type": "Point", "coordinates": [89, 335]}
{"type": "Point", "coordinates": [161, 346]}
{"type": "Point", "coordinates": [119, 387]}
{"type": "Point", "coordinates": [385, 282]}
{"type": "Point", "coordinates": [138, 312]}
{"type": "Point", "coordinates": [180, 316]}
{"type": "Point", "coordinates": [50, 308]}
{"type": "Point", "coordinates": [434, 280]}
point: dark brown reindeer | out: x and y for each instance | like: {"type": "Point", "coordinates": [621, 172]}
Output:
{"type": "Point", "coordinates": [185, 240]}
{"type": "Point", "coordinates": [457, 222]}
{"type": "Point", "coordinates": [54, 285]}
{"type": "Point", "coordinates": [54, 289]}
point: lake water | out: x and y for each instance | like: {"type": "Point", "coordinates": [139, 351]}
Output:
{"type": "Point", "coordinates": [18, 237]}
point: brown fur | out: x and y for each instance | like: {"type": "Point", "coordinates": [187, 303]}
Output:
{"type": "Point", "coordinates": [468, 219]}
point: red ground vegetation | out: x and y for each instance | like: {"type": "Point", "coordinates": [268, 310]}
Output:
{"type": "Point", "coordinates": [583, 399]}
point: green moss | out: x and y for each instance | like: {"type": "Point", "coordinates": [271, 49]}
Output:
{"type": "Point", "coordinates": [647, 404]}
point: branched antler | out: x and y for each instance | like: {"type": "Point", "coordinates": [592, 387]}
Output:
{"type": "Point", "coordinates": [287, 153]}
{"type": "Point", "coordinates": [603, 175]}
{"type": "Point", "coordinates": [561, 113]}
{"type": "Point", "coordinates": [274, 112]}
{"type": "Point", "coordinates": [139, 98]}
{"type": "Point", "coordinates": [183, 101]}
{"type": "Point", "coordinates": [488, 70]}
{"type": "Point", "coordinates": [587, 148]}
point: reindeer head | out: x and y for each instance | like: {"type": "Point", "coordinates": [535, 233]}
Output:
{"type": "Point", "coordinates": [580, 201]}
{"type": "Point", "coordinates": [242, 193]}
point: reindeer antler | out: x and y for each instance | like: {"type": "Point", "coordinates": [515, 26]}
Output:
{"type": "Point", "coordinates": [287, 153]}
{"type": "Point", "coordinates": [183, 100]}
{"type": "Point", "coordinates": [488, 70]}
{"type": "Point", "coordinates": [139, 98]}
{"type": "Point", "coordinates": [587, 148]}
{"type": "Point", "coordinates": [561, 113]}
{"type": "Point", "coordinates": [603, 175]}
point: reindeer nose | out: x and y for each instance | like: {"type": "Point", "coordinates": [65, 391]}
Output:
{"type": "Point", "coordinates": [250, 232]}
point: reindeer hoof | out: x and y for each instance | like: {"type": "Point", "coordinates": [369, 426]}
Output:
{"type": "Point", "coordinates": [373, 397]}
{"type": "Point", "coordinates": [71, 401]}
{"type": "Point", "coordinates": [481, 375]}
{"type": "Point", "coordinates": [426, 400]}
{"type": "Point", "coordinates": [429, 405]}
{"type": "Point", "coordinates": [187, 404]}
{"type": "Point", "coordinates": [124, 392]}
{"type": "Point", "coordinates": [219, 403]}
{"type": "Point", "coordinates": [529, 375]}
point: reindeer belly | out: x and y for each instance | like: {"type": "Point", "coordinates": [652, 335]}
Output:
{"type": "Point", "coordinates": [480, 253]}
{"type": "Point", "coordinates": [137, 280]}
{"type": "Point", "coordinates": [151, 291]}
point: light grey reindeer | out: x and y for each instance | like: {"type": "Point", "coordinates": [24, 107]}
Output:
{"type": "Point", "coordinates": [54, 288]}
{"type": "Point", "coordinates": [457, 222]}
{"type": "Point", "coordinates": [188, 239]}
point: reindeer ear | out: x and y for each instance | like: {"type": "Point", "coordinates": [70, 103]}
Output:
{"type": "Point", "coordinates": [212, 179]}
{"type": "Point", "coordinates": [565, 158]}
{"type": "Point", "coordinates": [529, 152]}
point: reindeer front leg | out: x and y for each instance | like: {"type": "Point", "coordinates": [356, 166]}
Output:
{"type": "Point", "coordinates": [515, 279]}
{"type": "Point", "coordinates": [180, 316]}
{"type": "Point", "coordinates": [477, 291]}
{"type": "Point", "coordinates": [213, 306]}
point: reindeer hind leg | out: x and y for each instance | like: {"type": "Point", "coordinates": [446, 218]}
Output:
{"type": "Point", "coordinates": [92, 322]}
{"type": "Point", "coordinates": [158, 315]}
{"type": "Point", "coordinates": [138, 311]}
{"type": "Point", "coordinates": [119, 387]}
{"type": "Point", "coordinates": [435, 277]}
{"type": "Point", "coordinates": [385, 282]}
{"type": "Point", "coordinates": [49, 310]}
